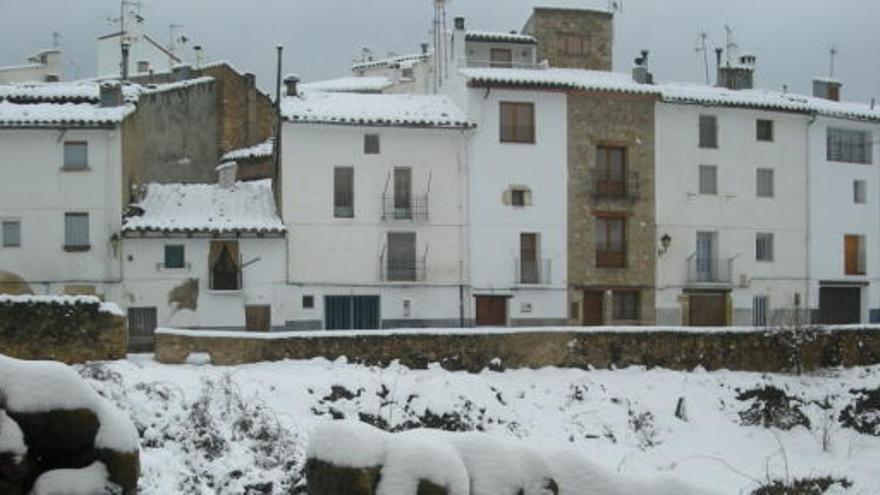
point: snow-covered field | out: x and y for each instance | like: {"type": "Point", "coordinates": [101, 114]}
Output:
{"type": "Point", "coordinates": [211, 429]}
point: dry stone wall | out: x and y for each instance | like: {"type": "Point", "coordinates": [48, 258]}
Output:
{"type": "Point", "coordinates": [62, 328]}
{"type": "Point", "coordinates": [563, 347]}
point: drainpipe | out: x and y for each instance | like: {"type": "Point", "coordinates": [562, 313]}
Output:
{"type": "Point", "coordinates": [807, 298]}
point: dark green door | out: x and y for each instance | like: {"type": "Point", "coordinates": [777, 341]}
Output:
{"type": "Point", "coordinates": [351, 312]}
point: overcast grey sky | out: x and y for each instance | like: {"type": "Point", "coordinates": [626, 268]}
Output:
{"type": "Point", "coordinates": [791, 38]}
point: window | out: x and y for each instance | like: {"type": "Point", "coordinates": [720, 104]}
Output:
{"type": "Point", "coordinates": [76, 155]}
{"type": "Point", "coordinates": [625, 305]}
{"type": "Point", "coordinates": [224, 262]}
{"type": "Point", "coordinates": [708, 131]}
{"type": "Point", "coordinates": [860, 192]}
{"type": "Point", "coordinates": [759, 311]}
{"type": "Point", "coordinates": [517, 122]}
{"type": "Point", "coordinates": [610, 242]}
{"type": "Point", "coordinates": [406, 73]}
{"type": "Point", "coordinates": [764, 130]}
{"type": "Point", "coordinates": [854, 254]}
{"type": "Point", "coordinates": [401, 264]}
{"type": "Point", "coordinates": [847, 145]}
{"type": "Point", "coordinates": [343, 192]}
{"type": "Point", "coordinates": [11, 233]}
{"type": "Point", "coordinates": [143, 66]}
{"type": "Point", "coordinates": [763, 247]}
{"type": "Point", "coordinates": [403, 193]}
{"type": "Point", "coordinates": [174, 257]}
{"type": "Point", "coordinates": [308, 302]}
{"type": "Point", "coordinates": [518, 197]}
{"type": "Point", "coordinates": [708, 179]}
{"type": "Point", "coordinates": [765, 183]}
{"type": "Point", "coordinates": [371, 144]}
{"type": "Point", "coordinates": [610, 178]}
{"type": "Point", "coordinates": [500, 57]}
{"type": "Point", "coordinates": [76, 231]}
{"type": "Point", "coordinates": [575, 45]}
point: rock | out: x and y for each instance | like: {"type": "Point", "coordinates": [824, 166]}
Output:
{"type": "Point", "coordinates": [326, 479]}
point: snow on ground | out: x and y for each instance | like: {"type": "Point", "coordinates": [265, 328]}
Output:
{"type": "Point", "coordinates": [212, 429]}
{"type": "Point", "coordinates": [86, 481]}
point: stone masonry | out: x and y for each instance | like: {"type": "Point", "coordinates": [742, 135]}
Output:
{"type": "Point", "coordinates": [572, 38]}
{"type": "Point", "coordinates": [626, 121]}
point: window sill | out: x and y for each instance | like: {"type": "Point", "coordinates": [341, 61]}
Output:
{"type": "Point", "coordinates": [222, 292]}
{"type": "Point", "coordinates": [76, 169]}
{"type": "Point", "coordinates": [517, 142]}
{"type": "Point", "coordinates": [77, 249]}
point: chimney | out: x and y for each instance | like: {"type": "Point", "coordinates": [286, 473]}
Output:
{"type": "Point", "coordinates": [291, 82]}
{"type": "Point", "coordinates": [738, 76]}
{"type": "Point", "coordinates": [459, 23]}
{"type": "Point", "coordinates": [181, 73]}
{"type": "Point", "coordinates": [124, 63]}
{"type": "Point", "coordinates": [424, 48]}
{"type": "Point", "coordinates": [826, 88]}
{"type": "Point", "coordinates": [250, 79]}
{"type": "Point", "coordinates": [640, 71]}
{"type": "Point", "coordinates": [110, 94]}
{"type": "Point", "coordinates": [226, 174]}
{"type": "Point", "coordinates": [198, 50]}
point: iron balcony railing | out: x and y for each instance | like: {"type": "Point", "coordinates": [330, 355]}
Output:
{"type": "Point", "coordinates": [602, 186]}
{"type": "Point", "coordinates": [402, 270]}
{"type": "Point", "coordinates": [709, 270]}
{"type": "Point", "coordinates": [415, 209]}
{"type": "Point", "coordinates": [532, 271]}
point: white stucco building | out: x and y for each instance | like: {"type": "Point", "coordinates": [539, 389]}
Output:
{"type": "Point", "coordinates": [43, 66]}
{"type": "Point", "coordinates": [375, 200]}
{"type": "Point", "coordinates": [204, 256]}
{"type": "Point", "coordinates": [60, 189]}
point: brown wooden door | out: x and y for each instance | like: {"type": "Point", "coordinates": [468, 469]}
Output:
{"type": "Point", "coordinates": [491, 311]}
{"type": "Point", "coordinates": [851, 255]}
{"type": "Point", "coordinates": [258, 318]}
{"type": "Point", "coordinates": [707, 310]}
{"type": "Point", "coordinates": [594, 308]}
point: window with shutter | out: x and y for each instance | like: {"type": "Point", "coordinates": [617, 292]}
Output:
{"type": "Point", "coordinates": [610, 242]}
{"type": "Point", "coordinates": [517, 122]}
{"type": "Point", "coordinates": [764, 247]}
{"type": "Point", "coordinates": [76, 231]}
{"type": "Point", "coordinates": [174, 256]}
{"type": "Point", "coordinates": [11, 233]}
{"type": "Point", "coordinates": [343, 192]}
{"type": "Point", "coordinates": [708, 179]}
{"type": "Point", "coordinates": [765, 183]}
{"type": "Point", "coordinates": [708, 131]}
{"type": "Point", "coordinates": [75, 155]}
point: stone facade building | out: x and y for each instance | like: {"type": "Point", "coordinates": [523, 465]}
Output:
{"type": "Point", "coordinates": [573, 38]}
{"type": "Point", "coordinates": [611, 241]}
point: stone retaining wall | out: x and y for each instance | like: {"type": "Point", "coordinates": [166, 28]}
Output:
{"type": "Point", "coordinates": [562, 347]}
{"type": "Point", "coordinates": [61, 328]}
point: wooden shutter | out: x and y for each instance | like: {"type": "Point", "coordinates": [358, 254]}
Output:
{"type": "Point", "coordinates": [593, 308]}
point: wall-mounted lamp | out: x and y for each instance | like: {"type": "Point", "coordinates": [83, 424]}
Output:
{"type": "Point", "coordinates": [665, 241]}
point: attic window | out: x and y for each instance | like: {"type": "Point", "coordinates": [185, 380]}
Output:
{"type": "Point", "coordinates": [406, 73]}
{"type": "Point", "coordinates": [371, 144]}
{"type": "Point", "coordinates": [143, 66]}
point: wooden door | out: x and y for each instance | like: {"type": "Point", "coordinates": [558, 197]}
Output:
{"type": "Point", "coordinates": [707, 310]}
{"type": "Point", "coordinates": [491, 311]}
{"type": "Point", "coordinates": [594, 308]}
{"type": "Point", "coordinates": [851, 254]}
{"type": "Point", "coordinates": [258, 318]}
{"type": "Point", "coordinates": [402, 193]}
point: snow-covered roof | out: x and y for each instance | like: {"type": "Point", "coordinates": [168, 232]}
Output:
{"type": "Point", "coordinates": [159, 88]}
{"type": "Point", "coordinates": [73, 91]}
{"type": "Point", "coordinates": [373, 109]}
{"type": "Point", "coordinates": [391, 61]}
{"type": "Point", "coordinates": [501, 37]}
{"type": "Point", "coordinates": [690, 93]}
{"type": "Point", "coordinates": [350, 85]}
{"type": "Point", "coordinates": [245, 207]}
{"type": "Point", "coordinates": [61, 114]}
{"type": "Point", "coordinates": [261, 150]}
{"type": "Point", "coordinates": [574, 79]}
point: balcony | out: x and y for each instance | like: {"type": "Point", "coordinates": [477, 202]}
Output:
{"type": "Point", "coordinates": [412, 270]}
{"type": "Point", "coordinates": [530, 272]}
{"type": "Point", "coordinates": [610, 259]}
{"type": "Point", "coordinates": [413, 210]}
{"type": "Point", "coordinates": [603, 187]}
{"type": "Point", "coordinates": [709, 270]}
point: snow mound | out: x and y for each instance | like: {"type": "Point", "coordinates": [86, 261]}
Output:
{"type": "Point", "coordinates": [332, 442]}
{"type": "Point", "coordinates": [40, 386]}
{"type": "Point", "coordinates": [422, 455]}
{"type": "Point", "coordinates": [11, 438]}
{"type": "Point", "coordinates": [89, 480]}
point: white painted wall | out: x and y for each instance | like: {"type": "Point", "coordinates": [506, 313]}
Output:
{"type": "Point", "coordinates": [736, 212]}
{"type": "Point", "coordinates": [328, 255]}
{"type": "Point", "coordinates": [110, 56]}
{"type": "Point", "coordinates": [833, 213]}
{"type": "Point", "coordinates": [495, 227]}
{"type": "Point", "coordinates": [148, 283]}
{"type": "Point", "coordinates": [479, 53]}
{"type": "Point", "coordinates": [36, 191]}
{"type": "Point", "coordinates": [40, 67]}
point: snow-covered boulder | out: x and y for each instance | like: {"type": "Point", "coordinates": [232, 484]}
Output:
{"type": "Point", "coordinates": [53, 420]}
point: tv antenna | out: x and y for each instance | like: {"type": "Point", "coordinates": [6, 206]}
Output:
{"type": "Point", "coordinates": [730, 45]}
{"type": "Point", "coordinates": [832, 53]}
{"type": "Point", "coordinates": [701, 47]}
